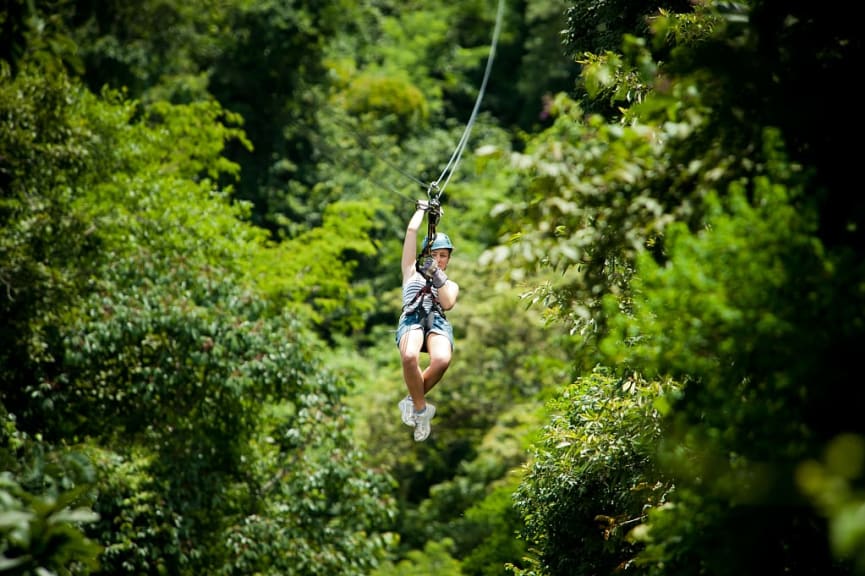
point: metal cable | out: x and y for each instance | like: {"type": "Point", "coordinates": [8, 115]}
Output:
{"type": "Point", "coordinates": [436, 189]}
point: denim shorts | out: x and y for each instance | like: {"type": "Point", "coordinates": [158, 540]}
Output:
{"type": "Point", "coordinates": [413, 322]}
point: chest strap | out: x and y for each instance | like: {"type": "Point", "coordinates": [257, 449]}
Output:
{"type": "Point", "coordinates": [418, 299]}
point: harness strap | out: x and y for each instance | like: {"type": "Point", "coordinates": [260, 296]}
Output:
{"type": "Point", "coordinates": [427, 289]}
{"type": "Point", "coordinates": [433, 216]}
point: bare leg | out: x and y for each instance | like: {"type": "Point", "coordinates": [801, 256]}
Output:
{"type": "Point", "coordinates": [440, 358]}
{"type": "Point", "coordinates": [409, 350]}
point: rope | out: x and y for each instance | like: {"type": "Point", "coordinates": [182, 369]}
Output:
{"type": "Point", "coordinates": [436, 188]}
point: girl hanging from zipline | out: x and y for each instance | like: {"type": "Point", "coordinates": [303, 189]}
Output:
{"type": "Point", "coordinates": [427, 293]}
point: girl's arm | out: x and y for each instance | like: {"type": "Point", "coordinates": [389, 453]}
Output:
{"type": "Point", "coordinates": [409, 245]}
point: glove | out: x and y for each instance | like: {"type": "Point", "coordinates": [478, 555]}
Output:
{"type": "Point", "coordinates": [439, 278]}
{"type": "Point", "coordinates": [430, 270]}
{"type": "Point", "coordinates": [427, 267]}
{"type": "Point", "coordinates": [421, 205]}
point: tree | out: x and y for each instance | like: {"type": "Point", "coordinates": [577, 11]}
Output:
{"type": "Point", "coordinates": [598, 27]}
{"type": "Point", "coordinates": [737, 267]}
{"type": "Point", "coordinates": [743, 433]}
{"type": "Point", "coordinates": [149, 348]}
{"type": "Point", "coordinates": [593, 475]}
{"type": "Point", "coordinates": [45, 503]}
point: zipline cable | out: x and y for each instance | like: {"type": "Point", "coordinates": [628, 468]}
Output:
{"type": "Point", "coordinates": [436, 188]}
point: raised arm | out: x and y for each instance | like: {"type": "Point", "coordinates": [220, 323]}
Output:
{"type": "Point", "coordinates": [409, 245]}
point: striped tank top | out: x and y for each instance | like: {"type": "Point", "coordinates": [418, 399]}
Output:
{"type": "Point", "coordinates": [409, 292]}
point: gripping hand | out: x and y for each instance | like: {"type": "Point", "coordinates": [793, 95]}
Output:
{"type": "Point", "coordinates": [432, 206]}
{"type": "Point", "coordinates": [430, 270]}
{"type": "Point", "coordinates": [427, 267]}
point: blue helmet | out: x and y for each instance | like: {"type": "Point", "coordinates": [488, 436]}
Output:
{"type": "Point", "coordinates": [440, 241]}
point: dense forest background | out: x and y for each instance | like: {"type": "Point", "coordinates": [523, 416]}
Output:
{"type": "Point", "coordinates": [658, 239]}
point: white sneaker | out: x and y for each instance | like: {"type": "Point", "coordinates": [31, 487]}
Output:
{"type": "Point", "coordinates": [406, 407]}
{"type": "Point", "coordinates": [422, 422]}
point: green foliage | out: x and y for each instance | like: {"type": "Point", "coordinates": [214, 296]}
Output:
{"type": "Point", "coordinates": [832, 484]}
{"type": "Point", "coordinates": [145, 317]}
{"type": "Point", "coordinates": [140, 533]}
{"type": "Point", "coordinates": [323, 510]}
{"type": "Point", "coordinates": [45, 505]}
{"type": "Point", "coordinates": [434, 559]}
{"type": "Point", "coordinates": [512, 356]}
{"type": "Point", "coordinates": [727, 293]}
{"type": "Point", "coordinates": [252, 57]}
{"type": "Point", "coordinates": [145, 309]}
{"type": "Point", "coordinates": [608, 77]}
{"type": "Point", "coordinates": [41, 534]}
{"type": "Point", "coordinates": [54, 234]}
{"type": "Point", "coordinates": [618, 77]}
{"type": "Point", "coordinates": [769, 64]}
{"type": "Point", "coordinates": [728, 299]}
{"type": "Point", "coordinates": [747, 293]}
{"type": "Point", "coordinates": [188, 346]}
{"type": "Point", "coordinates": [199, 131]}
{"type": "Point", "coordinates": [530, 64]}
{"type": "Point", "coordinates": [587, 206]}
{"type": "Point", "coordinates": [160, 350]}
{"type": "Point", "coordinates": [457, 484]}
{"type": "Point", "coordinates": [599, 26]}
{"type": "Point", "coordinates": [593, 475]}
{"type": "Point", "coordinates": [37, 36]}
{"type": "Point", "coordinates": [271, 70]}
{"type": "Point", "coordinates": [491, 532]}
{"type": "Point", "coordinates": [671, 29]}
{"type": "Point", "coordinates": [47, 247]}
{"type": "Point", "coordinates": [14, 24]}
{"type": "Point", "coordinates": [418, 39]}
{"type": "Point", "coordinates": [317, 269]}
{"type": "Point", "coordinates": [401, 106]}
{"type": "Point", "coordinates": [475, 485]}
{"type": "Point", "coordinates": [154, 46]}
{"type": "Point", "coordinates": [320, 510]}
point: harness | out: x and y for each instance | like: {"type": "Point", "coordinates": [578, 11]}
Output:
{"type": "Point", "coordinates": [433, 215]}
{"type": "Point", "coordinates": [414, 306]}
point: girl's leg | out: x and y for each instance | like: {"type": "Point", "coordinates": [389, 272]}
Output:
{"type": "Point", "coordinates": [439, 347]}
{"type": "Point", "coordinates": [409, 351]}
